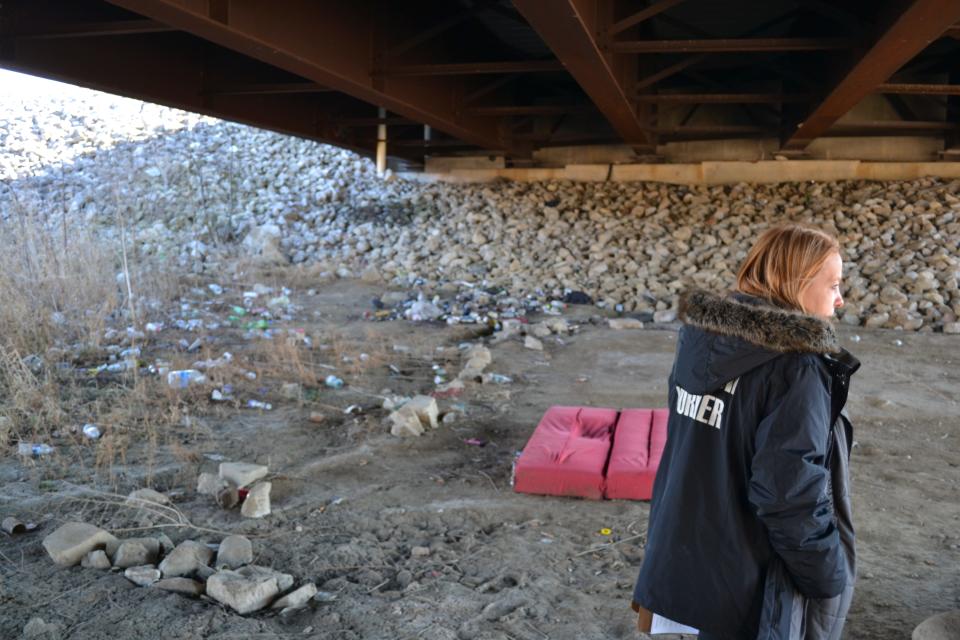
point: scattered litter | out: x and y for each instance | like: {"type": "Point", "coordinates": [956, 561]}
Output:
{"type": "Point", "coordinates": [496, 378]}
{"type": "Point", "coordinates": [153, 327]}
{"type": "Point", "coordinates": [352, 409]}
{"type": "Point", "coordinates": [33, 450]}
{"type": "Point", "coordinates": [605, 531]}
{"type": "Point", "coordinates": [91, 431]}
{"type": "Point", "coordinates": [333, 382]}
{"type": "Point", "coordinates": [898, 343]}
{"type": "Point", "coordinates": [259, 404]}
{"type": "Point", "coordinates": [185, 378]}
{"type": "Point", "coordinates": [215, 288]}
{"type": "Point", "coordinates": [14, 527]}
{"type": "Point", "coordinates": [475, 442]}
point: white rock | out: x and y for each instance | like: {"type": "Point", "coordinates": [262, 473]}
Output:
{"type": "Point", "coordinates": [242, 593]}
{"type": "Point", "coordinates": [625, 323]}
{"type": "Point", "coordinates": [240, 474]}
{"type": "Point", "coordinates": [234, 552]}
{"type": "Point", "coordinates": [257, 502]}
{"type": "Point", "coordinates": [405, 422]}
{"type": "Point", "coordinates": [96, 560]}
{"type": "Point", "coordinates": [142, 576]}
{"type": "Point", "coordinates": [147, 496]}
{"type": "Point", "coordinates": [296, 598]}
{"type": "Point", "coordinates": [426, 409]}
{"type": "Point", "coordinates": [72, 541]}
{"type": "Point", "coordinates": [185, 559]}
{"type": "Point", "coordinates": [532, 343]}
{"type": "Point", "coordinates": [210, 484]}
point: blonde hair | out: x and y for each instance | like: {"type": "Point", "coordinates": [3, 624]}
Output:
{"type": "Point", "coordinates": [782, 262]}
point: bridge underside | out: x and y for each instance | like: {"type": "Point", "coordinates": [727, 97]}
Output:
{"type": "Point", "coordinates": [512, 79]}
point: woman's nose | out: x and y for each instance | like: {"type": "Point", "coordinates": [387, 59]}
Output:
{"type": "Point", "coordinates": [838, 302]}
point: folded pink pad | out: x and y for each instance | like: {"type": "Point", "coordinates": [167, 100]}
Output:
{"type": "Point", "coordinates": [638, 442]}
{"type": "Point", "coordinates": [567, 453]}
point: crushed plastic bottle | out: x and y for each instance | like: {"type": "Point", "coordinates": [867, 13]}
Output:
{"type": "Point", "coordinates": [185, 378]}
{"type": "Point", "coordinates": [33, 450]}
{"type": "Point", "coordinates": [258, 404]}
{"type": "Point", "coordinates": [91, 431]}
{"type": "Point", "coordinates": [333, 382]}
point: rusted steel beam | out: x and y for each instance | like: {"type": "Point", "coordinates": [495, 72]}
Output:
{"type": "Point", "coordinates": [640, 16]}
{"type": "Point", "coordinates": [922, 22]}
{"type": "Point", "coordinates": [325, 42]}
{"type": "Point", "coordinates": [891, 127]}
{"type": "Point", "coordinates": [731, 45]}
{"type": "Point", "coordinates": [429, 33]}
{"type": "Point", "coordinates": [92, 29]}
{"type": "Point", "coordinates": [920, 89]}
{"type": "Point", "coordinates": [532, 110]}
{"type": "Point", "coordinates": [265, 88]}
{"type": "Point", "coordinates": [473, 68]}
{"type": "Point", "coordinates": [722, 98]}
{"type": "Point", "coordinates": [568, 27]}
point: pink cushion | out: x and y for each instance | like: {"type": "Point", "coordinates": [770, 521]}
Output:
{"type": "Point", "coordinates": [638, 443]}
{"type": "Point", "coordinates": [567, 453]}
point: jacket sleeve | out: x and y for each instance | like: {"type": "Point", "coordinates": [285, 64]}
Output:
{"type": "Point", "coordinates": [789, 484]}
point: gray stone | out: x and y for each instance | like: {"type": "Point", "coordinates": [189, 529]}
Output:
{"type": "Point", "coordinates": [133, 553]}
{"type": "Point", "coordinates": [951, 327]}
{"type": "Point", "coordinates": [665, 316]}
{"type": "Point", "coordinates": [73, 540]}
{"type": "Point", "coordinates": [234, 552]}
{"type": "Point", "coordinates": [37, 629]}
{"type": "Point", "coordinates": [186, 586]}
{"type": "Point", "coordinates": [185, 559]}
{"type": "Point", "coordinates": [877, 320]}
{"type": "Point", "coordinates": [257, 502]}
{"type": "Point", "coordinates": [296, 598]}
{"type": "Point", "coordinates": [290, 390]}
{"type": "Point", "coordinates": [210, 484]}
{"type": "Point", "coordinates": [419, 552]}
{"type": "Point", "coordinates": [96, 560]}
{"type": "Point", "coordinates": [943, 626]}
{"type": "Point", "coordinates": [242, 593]}
{"type": "Point", "coordinates": [142, 576]}
{"type": "Point", "coordinates": [240, 474]}
{"type": "Point", "coordinates": [284, 580]}
{"type": "Point", "coordinates": [152, 546]}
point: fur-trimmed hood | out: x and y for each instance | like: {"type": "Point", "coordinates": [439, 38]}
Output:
{"type": "Point", "coordinates": [726, 336]}
{"type": "Point", "coordinates": [757, 322]}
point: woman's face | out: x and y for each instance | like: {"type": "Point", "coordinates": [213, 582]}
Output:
{"type": "Point", "coordinates": [822, 294]}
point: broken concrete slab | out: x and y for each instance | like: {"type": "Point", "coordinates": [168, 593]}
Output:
{"type": "Point", "coordinates": [185, 559]}
{"type": "Point", "coordinates": [296, 598]}
{"type": "Point", "coordinates": [234, 552]}
{"type": "Point", "coordinates": [142, 576]}
{"type": "Point", "coordinates": [624, 323]}
{"type": "Point", "coordinates": [240, 474]}
{"type": "Point", "coordinates": [257, 503]}
{"type": "Point", "coordinates": [210, 484]}
{"type": "Point", "coordinates": [73, 540]}
{"type": "Point", "coordinates": [426, 410]}
{"type": "Point", "coordinates": [134, 553]}
{"type": "Point", "coordinates": [242, 593]}
{"type": "Point", "coordinates": [532, 343]}
{"type": "Point", "coordinates": [96, 559]}
{"type": "Point", "coordinates": [405, 422]}
{"type": "Point", "coordinates": [185, 586]}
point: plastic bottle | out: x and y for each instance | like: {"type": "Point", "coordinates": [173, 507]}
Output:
{"type": "Point", "coordinates": [333, 382]}
{"type": "Point", "coordinates": [258, 404]}
{"type": "Point", "coordinates": [183, 379]}
{"type": "Point", "coordinates": [33, 450]}
{"type": "Point", "coordinates": [91, 431]}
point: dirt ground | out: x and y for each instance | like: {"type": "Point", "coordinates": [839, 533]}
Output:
{"type": "Point", "coordinates": [350, 501]}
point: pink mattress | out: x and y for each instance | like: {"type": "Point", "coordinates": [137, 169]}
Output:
{"type": "Point", "coordinates": [638, 443]}
{"type": "Point", "coordinates": [567, 453]}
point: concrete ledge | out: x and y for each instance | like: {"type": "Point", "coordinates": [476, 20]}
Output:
{"type": "Point", "coordinates": [708, 173]}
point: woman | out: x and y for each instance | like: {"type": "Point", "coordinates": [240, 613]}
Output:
{"type": "Point", "coordinates": [750, 533]}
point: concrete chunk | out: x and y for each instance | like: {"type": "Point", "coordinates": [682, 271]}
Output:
{"type": "Point", "coordinates": [296, 598]}
{"type": "Point", "coordinates": [625, 323]}
{"type": "Point", "coordinates": [152, 545]}
{"type": "Point", "coordinates": [234, 552]}
{"type": "Point", "coordinates": [141, 496]}
{"type": "Point", "coordinates": [426, 410]}
{"type": "Point", "coordinates": [142, 576]}
{"type": "Point", "coordinates": [185, 559]}
{"type": "Point", "coordinates": [240, 474]}
{"type": "Point", "coordinates": [186, 586]}
{"type": "Point", "coordinates": [96, 560]}
{"type": "Point", "coordinates": [73, 540]}
{"type": "Point", "coordinates": [210, 484]}
{"type": "Point", "coordinates": [243, 594]}
{"type": "Point", "coordinates": [257, 503]}
{"type": "Point", "coordinates": [405, 422]}
{"type": "Point", "coordinates": [133, 553]}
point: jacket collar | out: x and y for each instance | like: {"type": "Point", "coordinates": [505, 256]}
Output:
{"type": "Point", "coordinates": [758, 322]}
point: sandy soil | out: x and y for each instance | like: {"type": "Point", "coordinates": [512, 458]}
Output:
{"type": "Point", "coordinates": [350, 501]}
